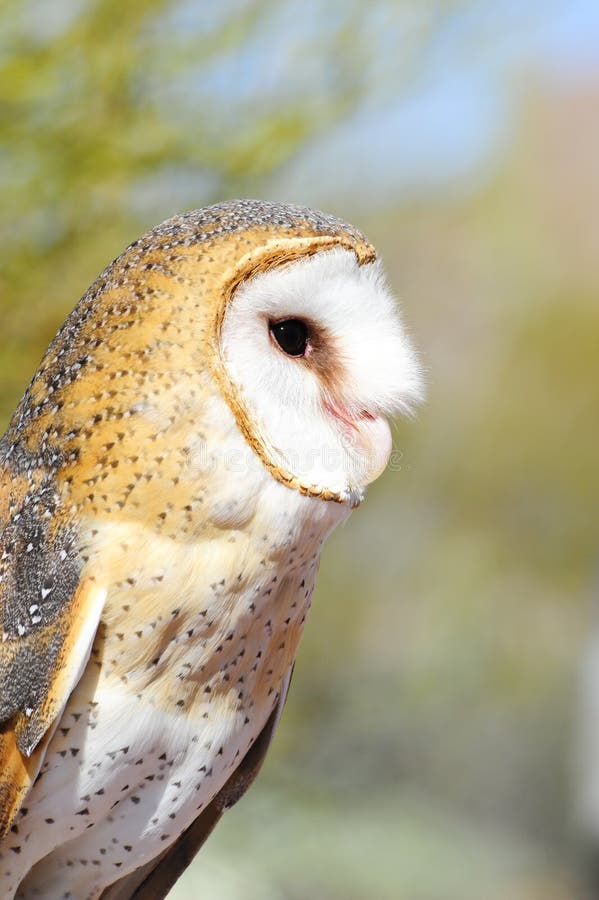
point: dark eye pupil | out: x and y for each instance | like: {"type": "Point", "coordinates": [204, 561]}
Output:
{"type": "Point", "coordinates": [291, 335]}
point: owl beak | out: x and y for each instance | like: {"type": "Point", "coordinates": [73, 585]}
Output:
{"type": "Point", "coordinates": [368, 438]}
{"type": "Point", "coordinates": [373, 444]}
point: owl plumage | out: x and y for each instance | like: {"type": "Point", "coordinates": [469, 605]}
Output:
{"type": "Point", "coordinates": [166, 485]}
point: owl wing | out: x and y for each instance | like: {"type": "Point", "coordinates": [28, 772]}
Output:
{"type": "Point", "coordinates": [48, 618]}
{"type": "Point", "coordinates": [154, 880]}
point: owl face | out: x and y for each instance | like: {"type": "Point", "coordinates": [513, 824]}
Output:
{"type": "Point", "coordinates": [319, 358]}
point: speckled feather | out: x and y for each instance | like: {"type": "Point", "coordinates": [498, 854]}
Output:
{"type": "Point", "coordinates": [124, 542]}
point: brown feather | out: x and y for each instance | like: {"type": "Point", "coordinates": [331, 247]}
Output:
{"type": "Point", "coordinates": [17, 774]}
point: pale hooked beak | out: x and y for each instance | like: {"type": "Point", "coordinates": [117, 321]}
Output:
{"type": "Point", "coordinates": [373, 440]}
{"type": "Point", "coordinates": [369, 440]}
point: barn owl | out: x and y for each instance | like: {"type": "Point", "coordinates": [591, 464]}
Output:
{"type": "Point", "coordinates": [213, 407]}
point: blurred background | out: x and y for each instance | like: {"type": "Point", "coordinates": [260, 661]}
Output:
{"type": "Point", "coordinates": [441, 740]}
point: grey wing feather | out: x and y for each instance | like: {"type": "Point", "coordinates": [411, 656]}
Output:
{"type": "Point", "coordinates": [48, 618]}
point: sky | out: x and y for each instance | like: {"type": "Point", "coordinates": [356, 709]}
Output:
{"type": "Point", "coordinates": [442, 128]}
{"type": "Point", "coordinates": [458, 116]}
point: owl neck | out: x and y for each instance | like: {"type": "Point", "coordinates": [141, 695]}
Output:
{"type": "Point", "coordinates": [233, 559]}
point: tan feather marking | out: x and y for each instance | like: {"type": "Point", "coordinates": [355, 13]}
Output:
{"type": "Point", "coordinates": [17, 774]}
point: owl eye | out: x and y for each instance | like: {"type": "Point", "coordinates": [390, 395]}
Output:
{"type": "Point", "coordinates": [291, 335]}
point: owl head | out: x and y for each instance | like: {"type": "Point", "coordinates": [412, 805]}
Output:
{"type": "Point", "coordinates": [279, 313]}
